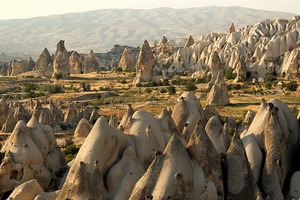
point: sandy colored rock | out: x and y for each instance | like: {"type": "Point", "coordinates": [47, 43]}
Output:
{"type": "Point", "coordinates": [45, 117]}
{"type": "Point", "coordinates": [91, 63]}
{"type": "Point", "coordinates": [125, 119]}
{"type": "Point", "coordinates": [83, 128]}
{"type": "Point", "coordinates": [189, 42]}
{"type": "Point", "coordinates": [56, 114]}
{"type": "Point", "coordinates": [30, 152]}
{"type": "Point", "coordinates": [232, 28]}
{"type": "Point", "coordinates": [71, 115]}
{"type": "Point", "coordinates": [94, 159]}
{"type": "Point", "coordinates": [26, 191]}
{"type": "Point", "coordinates": [187, 112]}
{"type": "Point", "coordinates": [61, 61]}
{"type": "Point", "coordinates": [202, 150]}
{"type": "Point", "coordinates": [4, 109]}
{"type": "Point", "coordinates": [113, 121]}
{"type": "Point", "coordinates": [44, 63]}
{"type": "Point", "coordinates": [214, 130]}
{"type": "Point", "coordinates": [218, 95]}
{"type": "Point", "coordinates": [9, 123]}
{"type": "Point", "coordinates": [240, 181]}
{"type": "Point", "coordinates": [127, 61]}
{"type": "Point", "coordinates": [144, 64]}
{"type": "Point", "coordinates": [75, 63]}
{"type": "Point", "coordinates": [171, 175]}
{"type": "Point", "coordinates": [215, 65]}
{"type": "Point", "coordinates": [276, 164]}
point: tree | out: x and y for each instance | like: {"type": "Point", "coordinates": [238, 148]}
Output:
{"type": "Point", "coordinates": [190, 85]}
{"type": "Point", "coordinates": [171, 90]}
{"type": "Point", "coordinates": [291, 86]}
{"type": "Point", "coordinates": [57, 76]}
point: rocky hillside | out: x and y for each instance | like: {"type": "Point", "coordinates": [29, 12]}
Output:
{"type": "Point", "coordinates": [101, 29]}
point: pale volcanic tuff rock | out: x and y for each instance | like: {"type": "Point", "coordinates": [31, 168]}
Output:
{"type": "Point", "coordinates": [232, 28]}
{"type": "Point", "coordinates": [83, 128]}
{"type": "Point", "coordinates": [19, 66]}
{"type": "Point", "coordinates": [186, 113]}
{"type": "Point", "coordinates": [61, 61]}
{"type": "Point", "coordinates": [75, 63]}
{"type": "Point", "coordinates": [218, 95]}
{"type": "Point", "coordinates": [215, 66]}
{"type": "Point", "coordinates": [190, 41]}
{"type": "Point", "coordinates": [30, 152]}
{"type": "Point", "coordinates": [268, 47]}
{"type": "Point", "coordinates": [202, 150]}
{"type": "Point", "coordinates": [4, 110]}
{"type": "Point", "coordinates": [90, 63]}
{"type": "Point", "coordinates": [126, 61]}
{"type": "Point", "coordinates": [44, 63]}
{"type": "Point", "coordinates": [274, 129]}
{"type": "Point", "coordinates": [240, 181]}
{"type": "Point", "coordinates": [144, 64]}
{"type": "Point", "coordinates": [173, 175]}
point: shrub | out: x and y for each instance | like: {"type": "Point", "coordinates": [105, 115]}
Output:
{"type": "Point", "coordinates": [229, 74]}
{"type": "Point", "coordinates": [57, 76]}
{"type": "Point", "coordinates": [123, 81]}
{"type": "Point", "coordinates": [29, 87]}
{"type": "Point", "coordinates": [118, 69]}
{"type": "Point", "coordinates": [163, 90]}
{"type": "Point", "coordinates": [70, 150]}
{"type": "Point", "coordinates": [291, 86]}
{"type": "Point", "coordinates": [85, 86]}
{"type": "Point", "coordinates": [171, 90]}
{"type": "Point", "coordinates": [190, 85]}
{"type": "Point", "coordinates": [148, 90]}
{"type": "Point", "coordinates": [268, 85]}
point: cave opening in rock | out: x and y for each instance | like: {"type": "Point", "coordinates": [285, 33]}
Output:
{"type": "Point", "coordinates": [14, 174]}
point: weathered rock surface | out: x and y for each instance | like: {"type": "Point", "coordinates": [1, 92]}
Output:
{"type": "Point", "coordinates": [30, 152]}
{"type": "Point", "coordinates": [61, 61]}
{"type": "Point", "coordinates": [144, 64]}
{"type": "Point", "coordinates": [127, 61]}
{"type": "Point", "coordinates": [75, 63]}
{"type": "Point", "coordinates": [90, 63]}
{"type": "Point", "coordinates": [186, 113]}
{"type": "Point", "coordinates": [218, 95]}
{"type": "Point", "coordinates": [44, 63]}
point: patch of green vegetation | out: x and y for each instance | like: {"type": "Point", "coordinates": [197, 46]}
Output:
{"type": "Point", "coordinates": [291, 86]}
{"type": "Point", "coordinates": [85, 86]}
{"type": "Point", "coordinates": [190, 85]}
{"type": "Point", "coordinates": [70, 150]}
{"type": "Point", "coordinates": [4, 78]}
{"type": "Point", "coordinates": [229, 73]}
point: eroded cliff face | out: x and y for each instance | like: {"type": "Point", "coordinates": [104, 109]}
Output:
{"type": "Point", "coordinates": [61, 66]}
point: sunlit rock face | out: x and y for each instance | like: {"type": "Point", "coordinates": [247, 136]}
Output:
{"type": "Point", "coordinates": [44, 63]}
{"type": "Point", "coordinates": [90, 63]}
{"type": "Point", "coordinates": [126, 61]}
{"type": "Point", "coordinates": [61, 61]}
{"type": "Point", "coordinates": [29, 153]}
{"type": "Point", "coordinates": [218, 95]}
{"type": "Point", "coordinates": [144, 64]}
{"type": "Point", "coordinates": [186, 153]}
{"type": "Point", "coordinates": [186, 113]}
{"type": "Point", "coordinates": [268, 47]}
{"type": "Point", "coordinates": [75, 63]}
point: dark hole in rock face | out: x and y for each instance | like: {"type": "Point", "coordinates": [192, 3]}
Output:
{"type": "Point", "coordinates": [6, 195]}
{"type": "Point", "coordinates": [14, 174]}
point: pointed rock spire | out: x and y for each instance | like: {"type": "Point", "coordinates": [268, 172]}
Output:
{"type": "Point", "coordinates": [190, 41]}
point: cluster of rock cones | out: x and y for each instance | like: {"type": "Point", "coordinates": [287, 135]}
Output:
{"type": "Point", "coordinates": [185, 153]}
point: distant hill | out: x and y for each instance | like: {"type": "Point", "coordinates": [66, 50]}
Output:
{"type": "Point", "coordinates": [101, 29]}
